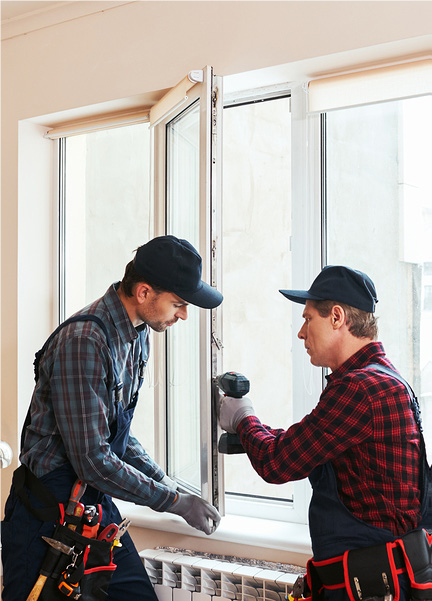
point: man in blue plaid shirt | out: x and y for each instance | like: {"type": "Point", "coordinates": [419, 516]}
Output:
{"type": "Point", "coordinates": [80, 413]}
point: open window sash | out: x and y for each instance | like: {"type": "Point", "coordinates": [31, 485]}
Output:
{"type": "Point", "coordinates": [187, 126]}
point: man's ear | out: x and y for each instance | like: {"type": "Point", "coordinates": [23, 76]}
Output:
{"type": "Point", "coordinates": [337, 317]}
{"type": "Point", "coordinates": [142, 291]}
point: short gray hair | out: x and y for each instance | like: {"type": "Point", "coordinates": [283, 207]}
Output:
{"type": "Point", "coordinates": [361, 324]}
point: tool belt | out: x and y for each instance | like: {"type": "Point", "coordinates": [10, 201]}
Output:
{"type": "Point", "coordinates": [77, 565]}
{"type": "Point", "coordinates": [372, 572]}
{"type": "Point", "coordinates": [81, 571]}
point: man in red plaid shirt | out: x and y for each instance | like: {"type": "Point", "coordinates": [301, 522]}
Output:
{"type": "Point", "coordinates": [361, 445]}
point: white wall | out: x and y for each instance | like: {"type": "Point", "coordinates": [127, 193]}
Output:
{"type": "Point", "coordinates": [138, 48]}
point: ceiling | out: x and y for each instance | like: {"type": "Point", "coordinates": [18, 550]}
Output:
{"type": "Point", "coordinates": [19, 17]}
{"type": "Point", "coordinates": [16, 9]}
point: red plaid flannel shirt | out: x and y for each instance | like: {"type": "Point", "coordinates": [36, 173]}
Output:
{"type": "Point", "coordinates": [364, 425]}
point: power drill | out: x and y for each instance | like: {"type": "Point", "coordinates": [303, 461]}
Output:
{"type": "Point", "coordinates": [236, 385]}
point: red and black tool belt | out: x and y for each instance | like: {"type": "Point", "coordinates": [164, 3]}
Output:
{"type": "Point", "coordinates": [81, 569]}
{"type": "Point", "coordinates": [77, 565]}
{"type": "Point", "coordinates": [372, 572]}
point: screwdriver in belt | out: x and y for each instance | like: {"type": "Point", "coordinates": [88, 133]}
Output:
{"type": "Point", "coordinates": [74, 507]}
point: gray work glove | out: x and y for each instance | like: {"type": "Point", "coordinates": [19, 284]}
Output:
{"type": "Point", "coordinates": [167, 481]}
{"type": "Point", "coordinates": [198, 513]}
{"type": "Point", "coordinates": [231, 411]}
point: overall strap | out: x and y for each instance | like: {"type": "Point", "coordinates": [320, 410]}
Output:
{"type": "Point", "coordinates": [84, 317]}
{"type": "Point", "coordinates": [426, 477]}
{"type": "Point", "coordinates": [145, 351]}
{"type": "Point", "coordinates": [414, 401]}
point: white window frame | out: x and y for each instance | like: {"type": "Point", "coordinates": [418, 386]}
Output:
{"type": "Point", "coordinates": [306, 157]}
{"type": "Point", "coordinates": [209, 89]}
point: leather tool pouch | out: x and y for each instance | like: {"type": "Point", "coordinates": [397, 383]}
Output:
{"type": "Point", "coordinates": [371, 573]}
{"type": "Point", "coordinates": [85, 574]}
{"type": "Point", "coordinates": [417, 549]}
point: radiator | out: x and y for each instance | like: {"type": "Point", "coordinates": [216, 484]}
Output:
{"type": "Point", "coordinates": [182, 577]}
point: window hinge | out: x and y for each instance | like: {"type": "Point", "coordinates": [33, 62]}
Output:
{"type": "Point", "coordinates": [217, 342]}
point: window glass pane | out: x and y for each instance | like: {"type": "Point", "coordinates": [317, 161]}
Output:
{"type": "Point", "coordinates": [107, 216]}
{"type": "Point", "coordinates": [257, 332]}
{"type": "Point", "coordinates": [107, 208]}
{"type": "Point", "coordinates": [379, 217]}
{"type": "Point", "coordinates": [183, 390]}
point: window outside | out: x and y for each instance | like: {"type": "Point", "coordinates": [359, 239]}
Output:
{"type": "Point", "coordinates": [257, 331]}
{"type": "Point", "coordinates": [183, 383]}
{"type": "Point", "coordinates": [379, 220]}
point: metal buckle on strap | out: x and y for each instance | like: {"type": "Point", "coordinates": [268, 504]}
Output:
{"type": "Point", "coordinates": [118, 392]}
{"type": "Point", "coordinates": [387, 597]}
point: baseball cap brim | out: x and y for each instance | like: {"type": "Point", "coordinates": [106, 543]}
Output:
{"type": "Point", "coordinates": [205, 297]}
{"type": "Point", "coordinates": [299, 296]}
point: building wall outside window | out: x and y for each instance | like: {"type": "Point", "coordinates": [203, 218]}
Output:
{"type": "Point", "coordinates": [379, 220]}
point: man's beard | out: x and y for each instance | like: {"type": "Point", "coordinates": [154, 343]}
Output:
{"type": "Point", "coordinates": [160, 326]}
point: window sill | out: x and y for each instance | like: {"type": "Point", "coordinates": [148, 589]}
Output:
{"type": "Point", "coordinates": [284, 536]}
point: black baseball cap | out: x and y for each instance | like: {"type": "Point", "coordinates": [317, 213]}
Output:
{"type": "Point", "coordinates": [175, 265]}
{"type": "Point", "coordinates": [340, 284]}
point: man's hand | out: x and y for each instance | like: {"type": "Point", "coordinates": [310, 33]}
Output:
{"type": "Point", "coordinates": [198, 513]}
{"type": "Point", "coordinates": [231, 411]}
{"type": "Point", "coordinates": [169, 482]}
